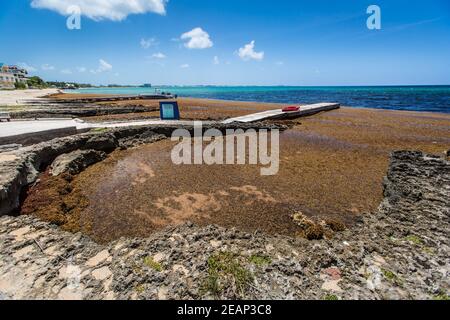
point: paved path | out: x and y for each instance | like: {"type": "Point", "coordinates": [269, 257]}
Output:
{"type": "Point", "coordinates": [278, 113]}
{"type": "Point", "coordinates": [14, 128]}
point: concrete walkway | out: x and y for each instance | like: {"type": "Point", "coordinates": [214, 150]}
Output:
{"type": "Point", "coordinates": [20, 127]}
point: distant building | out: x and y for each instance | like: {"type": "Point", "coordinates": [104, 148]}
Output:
{"type": "Point", "coordinates": [3, 67]}
{"type": "Point", "coordinates": [7, 80]}
{"type": "Point", "coordinates": [12, 74]}
{"type": "Point", "coordinates": [20, 75]}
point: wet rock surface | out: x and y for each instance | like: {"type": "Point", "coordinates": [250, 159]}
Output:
{"type": "Point", "coordinates": [81, 110]}
{"type": "Point", "coordinates": [399, 252]}
{"type": "Point", "coordinates": [75, 162]}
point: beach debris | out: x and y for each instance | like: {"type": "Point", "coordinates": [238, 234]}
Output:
{"type": "Point", "coordinates": [291, 109]}
{"type": "Point", "coordinates": [315, 228]}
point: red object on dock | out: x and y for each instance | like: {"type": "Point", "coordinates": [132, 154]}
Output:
{"type": "Point", "coordinates": [291, 109]}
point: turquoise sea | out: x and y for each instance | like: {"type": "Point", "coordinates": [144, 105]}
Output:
{"type": "Point", "coordinates": [414, 98]}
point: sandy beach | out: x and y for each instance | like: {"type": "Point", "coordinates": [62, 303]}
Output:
{"type": "Point", "coordinates": [21, 97]}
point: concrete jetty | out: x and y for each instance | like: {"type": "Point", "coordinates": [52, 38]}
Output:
{"type": "Point", "coordinates": [279, 114]}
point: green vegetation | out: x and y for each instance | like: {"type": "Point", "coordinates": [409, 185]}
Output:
{"type": "Point", "coordinates": [442, 296]}
{"type": "Point", "coordinates": [67, 85]}
{"type": "Point", "coordinates": [36, 82]}
{"type": "Point", "coordinates": [20, 85]}
{"type": "Point", "coordinates": [149, 262]}
{"type": "Point", "coordinates": [226, 271]}
{"type": "Point", "coordinates": [12, 108]}
{"type": "Point", "coordinates": [388, 274]}
{"type": "Point", "coordinates": [391, 276]}
{"type": "Point", "coordinates": [260, 260]}
{"type": "Point", "coordinates": [100, 130]}
{"type": "Point", "coordinates": [414, 239]}
{"type": "Point", "coordinates": [140, 289]}
{"type": "Point", "coordinates": [428, 250]}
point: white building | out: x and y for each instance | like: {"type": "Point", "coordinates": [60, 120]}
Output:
{"type": "Point", "coordinates": [12, 74]}
{"type": "Point", "coordinates": [20, 75]}
{"type": "Point", "coordinates": [7, 80]}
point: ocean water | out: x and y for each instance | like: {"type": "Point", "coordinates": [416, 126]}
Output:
{"type": "Point", "coordinates": [413, 98]}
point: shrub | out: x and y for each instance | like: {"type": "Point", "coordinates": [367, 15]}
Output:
{"type": "Point", "coordinates": [36, 82]}
{"type": "Point", "coordinates": [20, 85]}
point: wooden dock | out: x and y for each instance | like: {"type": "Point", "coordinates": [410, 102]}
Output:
{"type": "Point", "coordinates": [306, 110]}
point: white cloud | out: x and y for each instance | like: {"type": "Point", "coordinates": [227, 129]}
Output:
{"type": "Point", "coordinates": [216, 60]}
{"type": "Point", "coordinates": [27, 67]}
{"type": "Point", "coordinates": [279, 63]}
{"type": "Point", "coordinates": [184, 66]}
{"type": "Point", "coordinates": [159, 55]}
{"type": "Point", "coordinates": [147, 43]}
{"type": "Point", "coordinates": [248, 52]}
{"type": "Point", "coordinates": [103, 66]}
{"type": "Point", "coordinates": [115, 10]}
{"type": "Point", "coordinates": [66, 71]}
{"type": "Point", "coordinates": [81, 69]}
{"type": "Point", "coordinates": [47, 67]}
{"type": "Point", "coordinates": [197, 39]}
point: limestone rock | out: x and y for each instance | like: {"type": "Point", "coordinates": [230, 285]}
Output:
{"type": "Point", "coordinates": [75, 162]}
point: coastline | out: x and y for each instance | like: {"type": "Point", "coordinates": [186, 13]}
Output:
{"type": "Point", "coordinates": [413, 98]}
{"type": "Point", "coordinates": [333, 166]}
{"type": "Point", "coordinates": [232, 108]}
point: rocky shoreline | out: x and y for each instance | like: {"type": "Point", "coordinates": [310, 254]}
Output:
{"type": "Point", "coordinates": [399, 252]}
{"type": "Point", "coordinates": [76, 111]}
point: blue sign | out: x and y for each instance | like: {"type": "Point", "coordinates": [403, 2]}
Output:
{"type": "Point", "coordinates": [169, 111]}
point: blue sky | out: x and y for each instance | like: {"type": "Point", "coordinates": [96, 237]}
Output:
{"type": "Point", "coordinates": [295, 42]}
